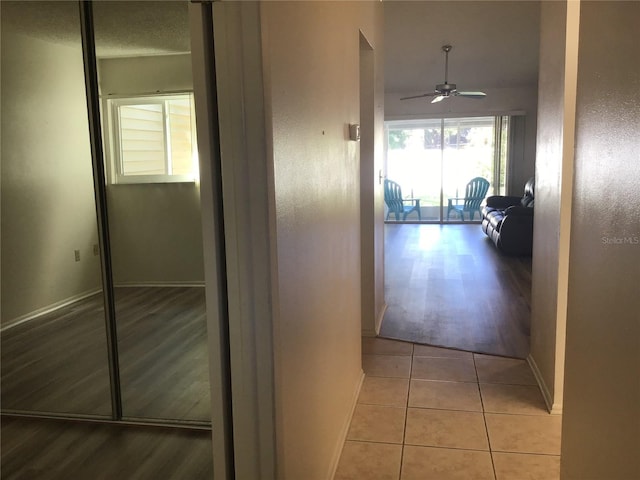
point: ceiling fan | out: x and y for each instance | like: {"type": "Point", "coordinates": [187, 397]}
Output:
{"type": "Point", "coordinates": [446, 89]}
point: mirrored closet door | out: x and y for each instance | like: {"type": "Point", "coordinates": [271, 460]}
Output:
{"type": "Point", "coordinates": [55, 353]}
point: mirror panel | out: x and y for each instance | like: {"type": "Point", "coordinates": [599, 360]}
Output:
{"type": "Point", "coordinates": [54, 353]}
{"type": "Point", "coordinates": [153, 203]}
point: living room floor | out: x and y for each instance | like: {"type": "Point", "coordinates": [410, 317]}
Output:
{"type": "Point", "coordinates": [433, 413]}
{"type": "Point", "coordinates": [448, 285]}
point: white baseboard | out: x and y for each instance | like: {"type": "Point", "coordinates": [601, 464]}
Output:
{"type": "Point", "coordinates": [553, 408]}
{"type": "Point", "coordinates": [48, 309]}
{"type": "Point", "coordinates": [160, 284]}
{"type": "Point", "coordinates": [345, 430]}
{"type": "Point", "coordinates": [81, 296]}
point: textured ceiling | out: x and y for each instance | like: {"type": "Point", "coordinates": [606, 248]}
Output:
{"type": "Point", "coordinates": [122, 28]}
{"type": "Point", "coordinates": [495, 44]}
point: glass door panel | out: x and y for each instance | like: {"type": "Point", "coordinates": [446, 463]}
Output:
{"type": "Point", "coordinates": [414, 160]}
{"type": "Point", "coordinates": [153, 203]}
{"type": "Point", "coordinates": [54, 349]}
{"type": "Point", "coordinates": [468, 152]}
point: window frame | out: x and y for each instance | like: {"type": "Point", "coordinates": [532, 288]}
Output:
{"type": "Point", "coordinates": [115, 165]}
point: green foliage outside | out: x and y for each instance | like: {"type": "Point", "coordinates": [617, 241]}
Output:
{"type": "Point", "coordinates": [398, 139]}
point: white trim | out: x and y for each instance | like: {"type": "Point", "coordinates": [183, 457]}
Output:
{"type": "Point", "coordinates": [249, 242]}
{"type": "Point", "coordinates": [383, 310]}
{"type": "Point", "coordinates": [553, 409]}
{"type": "Point", "coordinates": [111, 105]}
{"type": "Point", "coordinates": [171, 93]}
{"type": "Point", "coordinates": [217, 339]}
{"type": "Point", "coordinates": [431, 116]}
{"type": "Point", "coordinates": [48, 309]}
{"type": "Point", "coordinates": [342, 439]}
{"type": "Point", "coordinates": [195, 283]}
{"type": "Point", "coordinates": [139, 179]}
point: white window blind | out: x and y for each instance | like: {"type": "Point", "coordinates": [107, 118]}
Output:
{"type": "Point", "coordinates": [154, 139]}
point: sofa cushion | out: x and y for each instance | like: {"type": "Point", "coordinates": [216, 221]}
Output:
{"type": "Point", "coordinates": [502, 202]}
{"type": "Point", "coordinates": [486, 210]}
{"type": "Point", "coordinates": [495, 218]}
{"type": "Point", "coordinates": [528, 211]}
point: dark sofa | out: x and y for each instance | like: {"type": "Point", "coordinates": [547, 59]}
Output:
{"type": "Point", "coordinates": [508, 221]}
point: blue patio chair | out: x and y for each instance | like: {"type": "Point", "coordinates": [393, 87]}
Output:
{"type": "Point", "coordinates": [474, 194]}
{"type": "Point", "coordinates": [396, 204]}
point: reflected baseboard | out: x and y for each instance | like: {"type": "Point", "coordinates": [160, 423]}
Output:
{"type": "Point", "coordinates": [199, 283]}
{"type": "Point", "coordinates": [48, 309]}
{"type": "Point", "coordinates": [177, 424]}
{"type": "Point", "coordinates": [81, 296]}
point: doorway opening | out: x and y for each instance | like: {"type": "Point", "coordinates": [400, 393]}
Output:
{"type": "Point", "coordinates": [441, 271]}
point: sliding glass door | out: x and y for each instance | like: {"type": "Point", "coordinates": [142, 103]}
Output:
{"type": "Point", "coordinates": [434, 161]}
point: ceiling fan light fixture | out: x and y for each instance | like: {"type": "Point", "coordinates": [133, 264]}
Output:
{"type": "Point", "coordinates": [446, 89]}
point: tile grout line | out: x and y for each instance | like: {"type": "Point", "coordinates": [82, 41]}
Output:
{"type": "Point", "coordinates": [484, 417]}
{"type": "Point", "coordinates": [406, 413]}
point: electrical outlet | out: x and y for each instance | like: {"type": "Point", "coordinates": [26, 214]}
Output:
{"type": "Point", "coordinates": [77, 254]}
{"type": "Point", "coordinates": [96, 250]}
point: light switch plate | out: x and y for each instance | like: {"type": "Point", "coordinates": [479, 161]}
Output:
{"type": "Point", "coordinates": [354, 132]}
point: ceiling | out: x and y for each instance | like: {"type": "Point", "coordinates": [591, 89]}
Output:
{"type": "Point", "coordinates": [122, 28]}
{"type": "Point", "coordinates": [495, 44]}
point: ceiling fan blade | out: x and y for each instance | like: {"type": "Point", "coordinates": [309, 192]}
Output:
{"type": "Point", "coordinates": [439, 98]}
{"type": "Point", "coordinates": [419, 96]}
{"type": "Point", "coordinates": [471, 94]}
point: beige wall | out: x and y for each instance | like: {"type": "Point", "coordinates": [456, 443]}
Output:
{"type": "Point", "coordinates": [155, 229]}
{"type": "Point", "coordinates": [158, 73]}
{"type": "Point", "coordinates": [601, 420]}
{"type": "Point", "coordinates": [156, 234]}
{"type": "Point", "coordinates": [311, 60]}
{"type": "Point", "coordinates": [48, 208]}
{"type": "Point", "coordinates": [553, 198]}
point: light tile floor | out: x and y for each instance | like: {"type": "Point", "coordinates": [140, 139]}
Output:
{"type": "Point", "coordinates": [432, 413]}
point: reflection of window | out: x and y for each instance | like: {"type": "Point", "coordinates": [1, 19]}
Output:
{"type": "Point", "coordinates": [153, 139]}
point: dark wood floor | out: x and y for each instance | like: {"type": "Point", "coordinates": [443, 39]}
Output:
{"type": "Point", "coordinates": [61, 450]}
{"type": "Point", "coordinates": [447, 285]}
{"type": "Point", "coordinates": [58, 362]}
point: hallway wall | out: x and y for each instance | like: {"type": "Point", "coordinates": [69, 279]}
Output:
{"type": "Point", "coordinates": [601, 424]}
{"type": "Point", "coordinates": [311, 61]}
